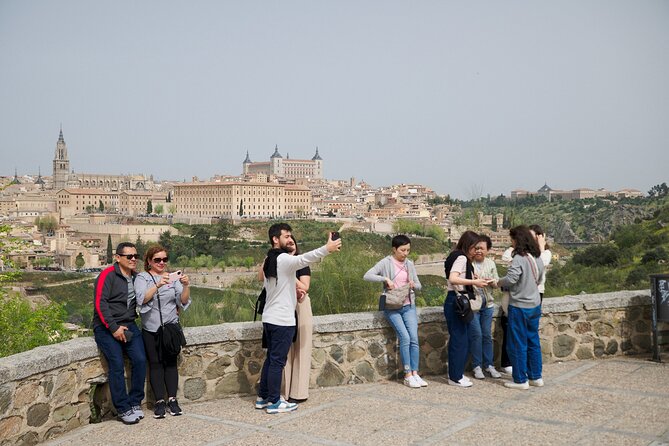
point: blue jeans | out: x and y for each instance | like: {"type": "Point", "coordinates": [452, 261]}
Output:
{"type": "Point", "coordinates": [523, 344]}
{"type": "Point", "coordinates": [405, 323]}
{"type": "Point", "coordinates": [113, 352]}
{"type": "Point", "coordinates": [278, 338]}
{"type": "Point", "coordinates": [458, 339]}
{"type": "Point", "coordinates": [480, 338]}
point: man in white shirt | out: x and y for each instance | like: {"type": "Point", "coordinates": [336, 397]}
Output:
{"type": "Point", "coordinates": [278, 316]}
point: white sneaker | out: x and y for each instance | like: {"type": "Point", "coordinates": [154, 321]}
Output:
{"type": "Point", "coordinates": [508, 370]}
{"type": "Point", "coordinates": [537, 382]}
{"type": "Point", "coordinates": [493, 372]}
{"type": "Point", "coordinates": [411, 382]}
{"type": "Point", "coordinates": [519, 386]}
{"type": "Point", "coordinates": [465, 378]}
{"type": "Point", "coordinates": [461, 383]}
{"type": "Point", "coordinates": [478, 373]}
{"type": "Point", "coordinates": [420, 380]}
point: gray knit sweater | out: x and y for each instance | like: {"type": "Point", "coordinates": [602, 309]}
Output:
{"type": "Point", "coordinates": [521, 282]}
{"type": "Point", "coordinates": [384, 269]}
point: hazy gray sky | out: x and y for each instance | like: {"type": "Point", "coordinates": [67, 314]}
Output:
{"type": "Point", "coordinates": [461, 96]}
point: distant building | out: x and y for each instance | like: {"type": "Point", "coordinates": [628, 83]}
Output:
{"type": "Point", "coordinates": [575, 194]}
{"type": "Point", "coordinates": [287, 168]}
{"type": "Point", "coordinates": [240, 199]}
{"type": "Point", "coordinates": [64, 178]}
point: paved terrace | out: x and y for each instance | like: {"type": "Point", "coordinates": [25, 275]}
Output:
{"type": "Point", "coordinates": [618, 401]}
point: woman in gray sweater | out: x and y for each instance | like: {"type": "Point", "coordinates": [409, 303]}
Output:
{"type": "Point", "coordinates": [522, 277]}
{"type": "Point", "coordinates": [395, 271]}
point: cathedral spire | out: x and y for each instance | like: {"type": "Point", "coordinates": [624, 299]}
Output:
{"type": "Point", "coordinates": [316, 157]}
{"type": "Point", "coordinates": [276, 153]}
{"type": "Point", "coordinates": [248, 159]}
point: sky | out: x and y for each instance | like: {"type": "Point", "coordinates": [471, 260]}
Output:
{"type": "Point", "coordinates": [467, 97]}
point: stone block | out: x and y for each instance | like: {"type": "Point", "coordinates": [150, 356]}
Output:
{"type": "Point", "coordinates": [365, 372]}
{"type": "Point", "coordinates": [6, 393]}
{"type": "Point", "coordinates": [612, 347]}
{"type": "Point", "coordinates": [642, 342]}
{"type": "Point", "coordinates": [337, 353]}
{"type": "Point", "coordinates": [584, 352]}
{"type": "Point", "coordinates": [603, 329]}
{"type": "Point", "coordinates": [436, 340]}
{"type": "Point", "coordinates": [10, 426]}
{"type": "Point", "coordinates": [38, 414]}
{"type": "Point", "coordinates": [564, 327]}
{"type": "Point", "coordinates": [217, 368]}
{"type": "Point", "coordinates": [28, 439]}
{"type": "Point", "coordinates": [330, 375]}
{"type": "Point", "coordinates": [642, 326]}
{"type": "Point", "coordinates": [253, 367]}
{"type": "Point", "coordinates": [563, 345]}
{"type": "Point", "coordinates": [194, 388]}
{"type": "Point", "coordinates": [232, 383]}
{"type": "Point", "coordinates": [47, 385]}
{"type": "Point", "coordinates": [64, 387]}
{"type": "Point", "coordinates": [375, 349]}
{"type": "Point", "coordinates": [190, 365]}
{"type": "Point", "coordinates": [53, 432]}
{"type": "Point", "coordinates": [355, 352]}
{"type": "Point", "coordinates": [598, 348]}
{"type": "Point", "coordinates": [64, 413]}
{"type": "Point", "coordinates": [583, 327]}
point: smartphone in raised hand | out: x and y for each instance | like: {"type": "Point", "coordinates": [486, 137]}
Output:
{"type": "Point", "coordinates": [176, 275]}
{"type": "Point", "coordinates": [335, 235]}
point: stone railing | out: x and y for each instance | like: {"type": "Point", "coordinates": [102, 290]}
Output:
{"type": "Point", "coordinates": [53, 389]}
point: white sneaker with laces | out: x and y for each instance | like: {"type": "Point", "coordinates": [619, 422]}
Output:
{"type": "Point", "coordinates": [478, 373]}
{"type": "Point", "coordinates": [537, 382]}
{"type": "Point", "coordinates": [515, 385]}
{"type": "Point", "coordinates": [410, 381]}
{"type": "Point", "coordinates": [508, 370]}
{"type": "Point", "coordinates": [461, 383]}
{"type": "Point", "coordinates": [420, 380]}
{"type": "Point", "coordinates": [493, 372]}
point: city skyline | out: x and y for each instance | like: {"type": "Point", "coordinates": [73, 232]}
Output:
{"type": "Point", "coordinates": [466, 99]}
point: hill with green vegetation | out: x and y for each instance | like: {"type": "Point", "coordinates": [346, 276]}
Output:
{"type": "Point", "coordinates": [624, 262]}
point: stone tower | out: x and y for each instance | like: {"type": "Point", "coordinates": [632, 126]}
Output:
{"type": "Point", "coordinates": [61, 164]}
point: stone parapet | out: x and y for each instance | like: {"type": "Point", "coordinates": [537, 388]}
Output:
{"type": "Point", "coordinates": [53, 389]}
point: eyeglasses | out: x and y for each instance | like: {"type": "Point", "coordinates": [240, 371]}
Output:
{"type": "Point", "coordinates": [129, 256]}
{"type": "Point", "coordinates": [161, 260]}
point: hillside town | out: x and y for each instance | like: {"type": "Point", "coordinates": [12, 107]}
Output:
{"type": "Point", "coordinates": [67, 219]}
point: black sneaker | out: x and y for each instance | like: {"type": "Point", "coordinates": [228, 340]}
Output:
{"type": "Point", "coordinates": [159, 409]}
{"type": "Point", "coordinates": [173, 407]}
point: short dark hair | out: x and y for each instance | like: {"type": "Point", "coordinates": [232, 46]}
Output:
{"type": "Point", "coordinates": [275, 231]}
{"type": "Point", "coordinates": [467, 240]}
{"type": "Point", "coordinates": [525, 243]}
{"type": "Point", "coordinates": [400, 240]}
{"type": "Point", "coordinates": [487, 240]}
{"type": "Point", "coordinates": [121, 246]}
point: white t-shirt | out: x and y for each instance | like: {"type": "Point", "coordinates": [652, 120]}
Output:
{"type": "Point", "coordinates": [459, 266]}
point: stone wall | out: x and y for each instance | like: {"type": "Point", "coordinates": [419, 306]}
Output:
{"type": "Point", "coordinates": [53, 389]}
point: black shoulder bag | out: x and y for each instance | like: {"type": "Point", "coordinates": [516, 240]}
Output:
{"type": "Point", "coordinates": [170, 336]}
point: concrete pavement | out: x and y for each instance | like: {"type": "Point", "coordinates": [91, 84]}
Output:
{"type": "Point", "coordinates": [621, 401]}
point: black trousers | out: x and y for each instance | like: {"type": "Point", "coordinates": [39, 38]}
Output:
{"type": "Point", "coordinates": [162, 374]}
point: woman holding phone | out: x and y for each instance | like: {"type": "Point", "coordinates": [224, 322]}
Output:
{"type": "Point", "coordinates": [159, 294]}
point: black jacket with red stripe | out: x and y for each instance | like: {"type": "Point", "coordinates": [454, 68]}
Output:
{"type": "Point", "coordinates": [110, 300]}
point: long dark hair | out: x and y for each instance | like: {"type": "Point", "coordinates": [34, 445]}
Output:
{"type": "Point", "coordinates": [467, 240]}
{"type": "Point", "coordinates": [538, 231]}
{"type": "Point", "coordinates": [525, 243]}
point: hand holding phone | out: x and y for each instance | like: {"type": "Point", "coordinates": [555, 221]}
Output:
{"type": "Point", "coordinates": [175, 276]}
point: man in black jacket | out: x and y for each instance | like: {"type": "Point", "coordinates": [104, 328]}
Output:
{"type": "Point", "coordinates": [114, 313]}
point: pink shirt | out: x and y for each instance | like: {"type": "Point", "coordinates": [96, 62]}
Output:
{"type": "Point", "coordinates": [401, 276]}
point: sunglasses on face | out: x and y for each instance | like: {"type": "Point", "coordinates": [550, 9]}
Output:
{"type": "Point", "coordinates": [129, 256]}
{"type": "Point", "coordinates": [161, 260]}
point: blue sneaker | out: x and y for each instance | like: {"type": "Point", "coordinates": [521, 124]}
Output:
{"type": "Point", "coordinates": [281, 406]}
{"type": "Point", "coordinates": [261, 403]}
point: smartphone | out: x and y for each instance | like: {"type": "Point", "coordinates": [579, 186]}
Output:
{"type": "Point", "coordinates": [175, 276]}
{"type": "Point", "coordinates": [128, 335]}
{"type": "Point", "coordinates": [335, 235]}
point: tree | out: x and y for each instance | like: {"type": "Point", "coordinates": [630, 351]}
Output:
{"type": "Point", "coordinates": [659, 190]}
{"type": "Point", "coordinates": [46, 224]}
{"type": "Point", "coordinates": [149, 207]}
{"type": "Point", "coordinates": [241, 207]}
{"type": "Point", "coordinates": [101, 206]}
{"type": "Point", "coordinates": [169, 197]}
{"type": "Point", "coordinates": [165, 240]}
{"type": "Point", "coordinates": [110, 250]}
{"type": "Point", "coordinates": [79, 262]}
{"type": "Point", "coordinates": [159, 209]}
{"type": "Point", "coordinates": [172, 209]}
